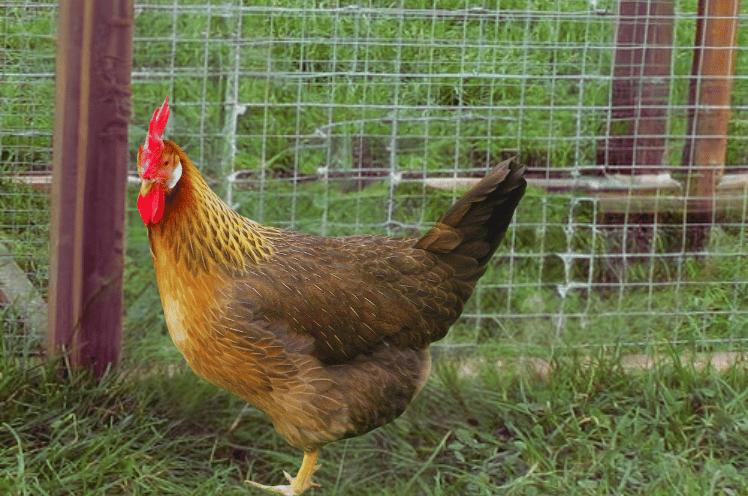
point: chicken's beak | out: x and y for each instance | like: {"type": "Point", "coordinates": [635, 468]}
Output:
{"type": "Point", "coordinates": [145, 186]}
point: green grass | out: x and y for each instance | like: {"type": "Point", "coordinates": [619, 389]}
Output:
{"type": "Point", "coordinates": [588, 430]}
{"type": "Point", "coordinates": [534, 81]}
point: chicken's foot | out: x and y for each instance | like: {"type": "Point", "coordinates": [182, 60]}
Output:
{"type": "Point", "coordinates": [301, 482]}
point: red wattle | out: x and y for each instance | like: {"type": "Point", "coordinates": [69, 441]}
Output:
{"type": "Point", "coordinates": [151, 206]}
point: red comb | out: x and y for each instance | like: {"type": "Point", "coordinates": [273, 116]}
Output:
{"type": "Point", "coordinates": [154, 145]}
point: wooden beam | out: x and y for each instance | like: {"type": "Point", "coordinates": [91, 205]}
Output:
{"type": "Point", "coordinates": [90, 155]}
{"type": "Point", "coordinates": [640, 89]}
{"type": "Point", "coordinates": [722, 203]}
{"type": "Point", "coordinates": [642, 194]}
{"type": "Point", "coordinates": [709, 96]}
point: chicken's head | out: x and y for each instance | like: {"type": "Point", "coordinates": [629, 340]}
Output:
{"type": "Point", "coordinates": [159, 168]}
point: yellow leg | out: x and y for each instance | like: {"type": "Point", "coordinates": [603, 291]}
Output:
{"type": "Point", "coordinates": [301, 482]}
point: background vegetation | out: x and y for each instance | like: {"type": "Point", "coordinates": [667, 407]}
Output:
{"type": "Point", "coordinates": [327, 118]}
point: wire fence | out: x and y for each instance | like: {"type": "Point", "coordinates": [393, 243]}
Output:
{"type": "Point", "coordinates": [27, 64]}
{"type": "Point", "coordinates": [346, 119]}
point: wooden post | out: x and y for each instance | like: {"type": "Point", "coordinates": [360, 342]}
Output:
{"type": "Point", "coordinates": [640, 87]}
{"type": "Point", "coordinates": [90, 155]}
{"type": "Point", "coordinates": [709, 98]}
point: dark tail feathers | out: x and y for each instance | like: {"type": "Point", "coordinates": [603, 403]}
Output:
{"type": "Point", "coordinates": [469, 232]}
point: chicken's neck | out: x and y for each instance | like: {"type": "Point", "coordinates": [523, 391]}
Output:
{"type": "Point", "coordinates": [201, 231]}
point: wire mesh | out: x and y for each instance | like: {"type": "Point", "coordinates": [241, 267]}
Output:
{"type": "Point", "coordinates": [350, 118]}
{"type": "Point", "coordinates": [27, 63]}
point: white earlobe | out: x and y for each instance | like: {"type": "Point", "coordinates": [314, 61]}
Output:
{"type": "Point", "coordinates": [175, 175]}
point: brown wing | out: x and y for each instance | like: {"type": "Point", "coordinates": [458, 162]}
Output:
{"type": "Point", "coordinates": [338, 297]}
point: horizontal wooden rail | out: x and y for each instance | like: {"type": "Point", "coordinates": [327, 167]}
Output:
{"type": "Point", "coordinates": [617, 193]}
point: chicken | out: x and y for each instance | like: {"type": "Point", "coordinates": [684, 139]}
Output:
{"type": "Point", "coordinates": [327, 336]}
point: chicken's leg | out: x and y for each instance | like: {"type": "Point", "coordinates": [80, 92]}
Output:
{"type": "Point", "coordinates": [301, 482]}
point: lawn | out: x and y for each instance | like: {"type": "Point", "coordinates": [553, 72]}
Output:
{"type": "Point", "coordinates": [592, 428]}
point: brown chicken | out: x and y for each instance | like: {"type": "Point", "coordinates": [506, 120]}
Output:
{"type": "Point", "coordinates": [327, 336]}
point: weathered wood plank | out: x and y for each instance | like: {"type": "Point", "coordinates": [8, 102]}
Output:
{"type": "Point", "coordinates": [640, 88]}
{"type": "Point", "coordinates": [90, 157]}
{"type": "Point", "coordinates": [709, 95]}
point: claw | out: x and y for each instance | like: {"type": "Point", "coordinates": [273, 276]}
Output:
{"type": "Point", "coordinates": [300, 483]}
{"type": "Point", "coordinates": [284, 490]}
